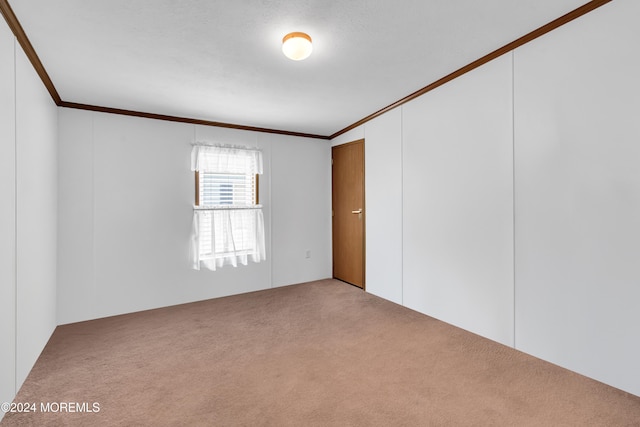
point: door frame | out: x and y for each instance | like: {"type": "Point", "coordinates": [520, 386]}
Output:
{"type": "Point", "coordinates": [364, 214]}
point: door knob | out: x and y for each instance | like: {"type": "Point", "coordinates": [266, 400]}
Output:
{"type": "Point", "coordinates": [359, 211]}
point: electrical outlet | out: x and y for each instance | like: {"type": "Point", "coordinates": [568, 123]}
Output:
{"type": "Point", "coordinates": [307, 253]}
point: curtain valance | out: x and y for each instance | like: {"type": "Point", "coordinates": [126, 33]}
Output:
{"type": "Point", "coordinates": [224, 159]}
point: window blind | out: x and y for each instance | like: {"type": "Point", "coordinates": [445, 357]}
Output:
{"type": "Point", "coordinates": [225, 189]}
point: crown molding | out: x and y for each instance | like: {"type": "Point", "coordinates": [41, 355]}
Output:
{"type": "Point", "coordinates": [28, 49]}
{"type": "Point", "coordinates": [168, 118]}
{"type": "Point", "coordinates": [564, 19]}
{"type": "Point", "coordinates": [22, 38]}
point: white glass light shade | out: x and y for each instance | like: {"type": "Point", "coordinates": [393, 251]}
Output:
{"type": "Point", "coordinates": [297, 46]}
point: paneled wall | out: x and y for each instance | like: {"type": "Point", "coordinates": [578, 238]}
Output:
{"type": "Point", "coordinates": [458, 202]}
{"type": "Point", "coordinates": [577, 166]}
{"type": "Point", "coordinates": [126, 203]}
{"type": "Point", "coordinates": [36, 214]}
{"type": "Point", "coordinates": [28, 215]}
{"type": "Point", "coordinates": [7, 216]}
{"type": "Point", "coordinates": [300, 208]}
{"type": "Point", "coordinates": [383, 203]}
{"type": "Point", "coordinates": [521, 198]}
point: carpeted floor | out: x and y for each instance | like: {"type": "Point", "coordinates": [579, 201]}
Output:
{"type": "Point", "coordinates": [323, 353]}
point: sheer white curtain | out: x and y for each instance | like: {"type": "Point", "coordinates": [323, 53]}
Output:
{"type": "Point", "coordinates": [226, 159]}
{"type": "Point", "coordinates": [229, 234]}
{"type": "Point", "coordinates": [227, 237]}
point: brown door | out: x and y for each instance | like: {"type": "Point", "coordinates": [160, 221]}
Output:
{"type": "Point", "coordinates": [348, 212]}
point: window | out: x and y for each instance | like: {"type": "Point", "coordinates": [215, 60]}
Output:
{"type": "Point", "coordinates": [228, 226]}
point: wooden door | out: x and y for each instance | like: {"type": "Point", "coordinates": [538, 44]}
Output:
{"type": "Point", "coordinates": [348, 213]}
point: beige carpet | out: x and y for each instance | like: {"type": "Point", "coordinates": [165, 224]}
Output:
{"type": "Point", "coordinates": [323, 353]}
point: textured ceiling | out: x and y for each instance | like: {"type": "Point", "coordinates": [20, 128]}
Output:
{"type": "Point", "coordinates": [221, 60]}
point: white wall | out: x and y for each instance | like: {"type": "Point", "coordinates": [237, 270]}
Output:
{"type": "Point", "coordinates": [7, 217]}
{"type": "Point", "coordinates": [439, 196]}
{"type": "Point", "coordinates": [75, 216]}
{"type": "Point", "coordinates": [547, 137]}
{"type": "Point", "coordinates": [126, 198]}
{"type": "Point", "coordinates": [28, 194]}
{"type": "Point", "coordinates": [458, 202]}
{"type": "Point", "coordinates": [383, 204]}
{"type": "Point", "coordinates": [36, 207]}
{"type": "Point", "coordinates": [301, 209]}
{"type": "Point", "coordinates": [578, 196]}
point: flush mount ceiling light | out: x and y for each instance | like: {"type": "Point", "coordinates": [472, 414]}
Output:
{"type": "Point", "coordinates": [297, 46]}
